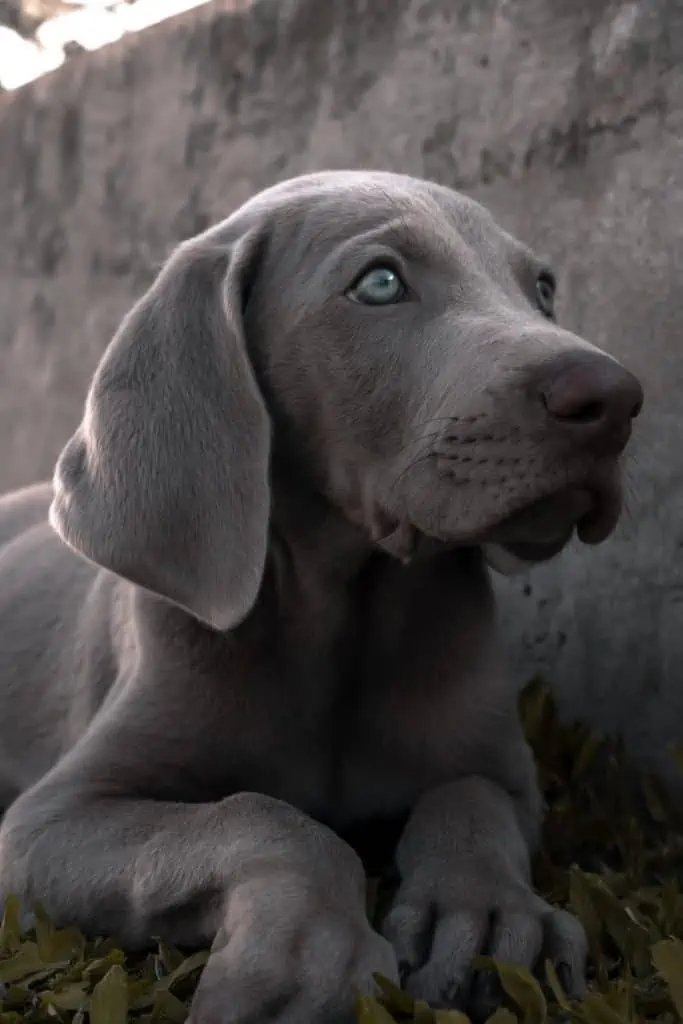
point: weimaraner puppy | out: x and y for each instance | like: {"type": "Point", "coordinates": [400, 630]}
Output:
{"type": "Point", "coordinates": [258, 631]}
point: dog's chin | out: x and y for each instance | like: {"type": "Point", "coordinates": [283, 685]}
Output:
{"type": "Point", "coordinates": [512, 559]}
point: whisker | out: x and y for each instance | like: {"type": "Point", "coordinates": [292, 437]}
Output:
{"type": "Point", "coordinates": [424, 437]}
{"type": "Point", "coordinates": [445, 419]}
{"type": "Point", "coordinates": [424, 440]}
{"type": "Point", "coordinates": [407, 469]}
{"type": "Point", "coordinates": [632, 500]}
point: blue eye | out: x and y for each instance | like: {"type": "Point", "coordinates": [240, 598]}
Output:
{"type": "Point", "coordinates": [545, 293]}
{"type": "Point", "coordinates": [379, 287]}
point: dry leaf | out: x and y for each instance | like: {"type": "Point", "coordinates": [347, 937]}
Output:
{"type": "Point", "coordinates": [667, 957]}
{"type": "Point", "coordinates": [109, 1001]}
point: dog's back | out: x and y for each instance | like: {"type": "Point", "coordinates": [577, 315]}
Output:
{"type": "Point", "coordinates": [22, 510]}
{"type": "Point", "coordinates": [46, 591]}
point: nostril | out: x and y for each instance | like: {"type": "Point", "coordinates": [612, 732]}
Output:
{"type": "Point", "coordinates": [589, 412]}
{"type": "Point", "coordinates": [572, 406]}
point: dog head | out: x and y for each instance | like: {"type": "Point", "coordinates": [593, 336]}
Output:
{"type": "Point", "coordinates": [384, 339]}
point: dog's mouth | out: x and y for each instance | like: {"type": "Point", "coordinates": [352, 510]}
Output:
{"type": "Point", "coordinates": [530, 533]}
{"type": "Point", "coordinates": [540, 530]}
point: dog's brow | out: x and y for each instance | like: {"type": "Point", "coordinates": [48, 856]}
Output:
{"type": "Point", "coordinates": [525, 263]}
{"type": "Point", "coordinates": [407, 235]}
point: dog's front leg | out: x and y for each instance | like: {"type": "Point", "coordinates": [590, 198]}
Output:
{"type": "Point", "coordinates": [464, 861]}
{"type": "Point", "coordinates": [280, 897]}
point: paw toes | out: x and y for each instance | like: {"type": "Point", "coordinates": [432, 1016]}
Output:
{"type": "Point", "coordinates": [435, 951]}
{"type": "Point", "coordinates": [446, 979]}
{"type": "Point", "coordinates": [517, 938]}
{"type": "Point", "coordinates": [409, 930]}
{"type": "Point", "coordinates": [566, 946]}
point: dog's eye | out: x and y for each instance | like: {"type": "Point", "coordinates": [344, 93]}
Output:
{"type": "Point", "coordinates": [545, 293]}
{"type": "Point", "coordinates": [378, 287]}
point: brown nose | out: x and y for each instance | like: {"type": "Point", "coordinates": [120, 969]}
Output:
{"type": "Point", "coordinates": [593, 399]}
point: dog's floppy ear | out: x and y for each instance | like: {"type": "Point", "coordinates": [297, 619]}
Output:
{"type": "Point", "coordinates": [166, 480]}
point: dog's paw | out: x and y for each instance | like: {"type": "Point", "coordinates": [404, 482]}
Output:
{"type": "Point", "coordinates": [436, 934]}
{"type": "Point", "coordinates": [303, 966]}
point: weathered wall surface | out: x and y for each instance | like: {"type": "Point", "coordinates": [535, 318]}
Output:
{"type": "Point", "coordinates": [567, 119]}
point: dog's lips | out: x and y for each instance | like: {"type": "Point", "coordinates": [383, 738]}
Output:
{"type": "Point", "coordinates": [537, 551]}
{"type": "Point", "coordinates": [546, 522]}
{"type": "Point", "coordinates": [601, 519]}
{"type": "Point", "coordinates": [535, 532]}
{"type": "Point", "coordinates": [542, 529]}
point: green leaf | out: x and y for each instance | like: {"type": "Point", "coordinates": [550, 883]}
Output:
{"type": "Point", "coordinates": [456, 1017]}
{"type": "Point", "coordinates": [109, 1000]}
{"type": "Point", "coordinates": [22, 964]}
{"type": "Point", "coordinates": [676, 753]}
{"type": "Point", "coordinates": [423, 1013]}
{"type": "Point", "coordinates": [618, 997]}
{"type": "Point", "coordinates": [142, 993]}
{"type": "Point", "coordinates": [653, 799]}
{"type": "Point", "coordinates": [555, 986]}
{"type": "Point", "coordinates": [667, 957]}
{"type": "Point", "coordinates": [184, 970]}
{"type": "Point", "coordinates": [101, 966]}
{"type": "Point", "coordinates": [594, 1009]}
{"type": "Point", "coordinates": [10, 929]}
{"type": "Point", "coordinates": [632, 940]}
{"type": "Point", "coordinates": [581, 902]}
{"type": "Point", "coordinates": [170, 957]}
{"type": "Point", "coordinates": [393, 998]}
{"type": "Point", "coordinates": [535, 704]}
{"type": "Point", "coordinates": [585, 756]}
{"type": "Point", "coordinates": [56, 944]}
{"type": "Point", "coordinates": [168, 1007]}
{"type": "Point", "coordinates": [16, 996]}
{"type": "Point", "coordinates": [521, 987]}
{"type": "Point", "coordinates": [70, 997]}
{"type": "Point", "coordinates": [369, 1011]}
{"type": "Point", "coordinates": [502, 1016]}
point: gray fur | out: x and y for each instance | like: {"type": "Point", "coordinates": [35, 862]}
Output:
{"type": "Point", "coordinates": [268, 622]}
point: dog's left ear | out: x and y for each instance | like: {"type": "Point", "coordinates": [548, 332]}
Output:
{"type": "Point", "coordinates": [166, 480]}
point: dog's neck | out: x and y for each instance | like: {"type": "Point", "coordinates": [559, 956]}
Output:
{"type": "Point", "coordinates": [315, 549]}
{"type": "Point", "coordinates": [312, 544]}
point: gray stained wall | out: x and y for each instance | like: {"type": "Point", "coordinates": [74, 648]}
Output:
{"type": "Point", "coordinates": [567, 119]}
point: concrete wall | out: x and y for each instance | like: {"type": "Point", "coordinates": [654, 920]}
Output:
{"type": "Point", "coordinates": [567, 119]}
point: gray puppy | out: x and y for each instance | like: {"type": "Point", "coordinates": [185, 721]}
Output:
{"type": "Point", "coordinates": [268, 623]}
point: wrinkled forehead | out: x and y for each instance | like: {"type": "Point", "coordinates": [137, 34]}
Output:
{"type": "Point", "coordinates": [314, 214]}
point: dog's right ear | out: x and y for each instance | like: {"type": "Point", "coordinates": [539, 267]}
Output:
{"type": "Point", "coordinates": [166, 480]}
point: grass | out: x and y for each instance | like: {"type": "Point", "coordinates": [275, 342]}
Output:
{"type": "Point", "coordinates": [612, 853]}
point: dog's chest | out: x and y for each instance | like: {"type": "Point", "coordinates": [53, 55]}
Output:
{"type": "Point", "coordinates": [374, 696]}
